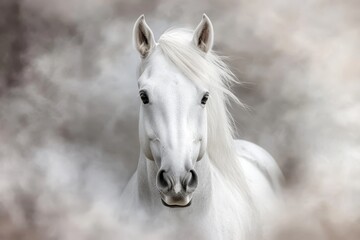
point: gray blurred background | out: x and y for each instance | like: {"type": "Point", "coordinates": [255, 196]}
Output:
{"type": "Point", "coordinates": [69, 109]}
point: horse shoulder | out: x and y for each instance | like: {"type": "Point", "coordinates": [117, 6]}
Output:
{"type": "Point", "coordinates": [261, 160]}
{"type": "Point", "coordinates": [263, 176]}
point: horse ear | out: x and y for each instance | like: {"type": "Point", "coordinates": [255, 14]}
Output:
{"type": "Point", "coordinates": [143, 37]}
{"type": "Point", "coordinates": [204, 34]}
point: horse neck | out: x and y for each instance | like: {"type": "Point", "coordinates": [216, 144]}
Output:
{"type": "Point", "coordinates": [149, 194]}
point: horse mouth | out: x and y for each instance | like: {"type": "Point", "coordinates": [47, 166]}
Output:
{"type": "Point", "coordinates": [175, 205]}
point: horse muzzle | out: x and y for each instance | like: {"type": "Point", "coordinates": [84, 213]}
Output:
{"type": "Point", "coordinates": [176, 191]}
{"type": "Point", "coordinates": [176, 201]}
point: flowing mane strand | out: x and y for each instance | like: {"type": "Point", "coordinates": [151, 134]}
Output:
{"type": "Point", "coordinates": [209, 70]}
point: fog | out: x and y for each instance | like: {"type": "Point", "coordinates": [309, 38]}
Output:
{"type": "Point", "coordinates": [69, 109]}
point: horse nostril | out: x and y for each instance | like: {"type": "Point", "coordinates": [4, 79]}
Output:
{"type": "Point", "coordinates": [163, 181]}
{"type": "Point", "coordinates": [190, 181]}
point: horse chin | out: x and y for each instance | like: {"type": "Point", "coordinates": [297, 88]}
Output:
{"type": "Point", "coordinates": [180, 203]}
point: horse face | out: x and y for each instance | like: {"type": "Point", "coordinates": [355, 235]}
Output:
{"type": "Point", "coordinates": [173, 128]}
{"type": "Point", "coordinates": [173, 119]}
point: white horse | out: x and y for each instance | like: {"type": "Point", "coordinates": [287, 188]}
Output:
{"type": "Point", "coordinates": [192, 177]}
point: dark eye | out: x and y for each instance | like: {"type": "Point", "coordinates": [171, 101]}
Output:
{"type": "Point", "coordinates": [144, 97]}
{"type": "Point", "coordinates": [205, 98]}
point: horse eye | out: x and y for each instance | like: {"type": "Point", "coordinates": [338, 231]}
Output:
{"type": "Point", "coordinates": [205, 98]}
{"type": "Point", "coordinates": [144, 97]}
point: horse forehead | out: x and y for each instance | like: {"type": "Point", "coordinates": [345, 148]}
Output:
{"type": "Point", "coordinates": [166, 77]}
{"type": "Point", "coordinates": [172, 81]}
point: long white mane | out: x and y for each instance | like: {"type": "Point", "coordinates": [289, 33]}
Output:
{"type": "Point", "coordinates": [209, 70]}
